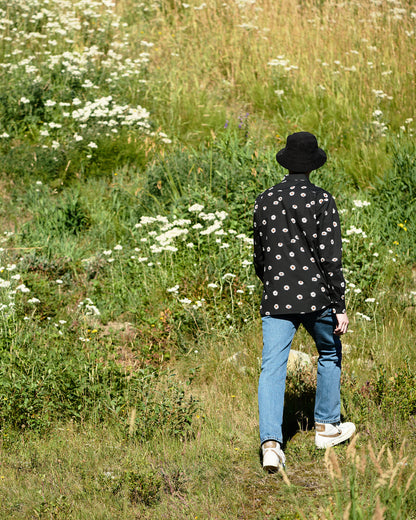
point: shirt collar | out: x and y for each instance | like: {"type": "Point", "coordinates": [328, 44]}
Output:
{"type": "Point", "coordinates": [294, 177]}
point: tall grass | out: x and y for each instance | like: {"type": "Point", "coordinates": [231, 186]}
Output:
{"type": "Point", "coordinates": [134, 139]}
{"type": "Point", "coordinates": [351, 60]}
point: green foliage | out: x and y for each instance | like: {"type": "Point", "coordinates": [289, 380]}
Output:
{"type": "Point", "coordinates": [83, 163]}
{"type": "Point", "coordinates": [56, 218]}
{"type": "Point", "coordinates": [144, 486]}
{"type": "Point", "coordinates": [41, 383]}
{"type": "Point", "coordinates": [395, 197]}
{"type": "Point", "coordinates": [169, 411]}
{"type": "Point", "coordinates": [227, 172]}
{"type": "Point", "coordinates": [397, 394]}
{"type": "Point", "coordinates": [32, 163]}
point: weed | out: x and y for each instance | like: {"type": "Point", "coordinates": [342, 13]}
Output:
{"type": "Point", "coordinates": [144, 486]}
{"type": "Point", "coordinates": [397, 393]}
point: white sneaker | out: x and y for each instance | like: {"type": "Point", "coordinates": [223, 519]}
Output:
{"type": "Point", "coordinates": [273, 456]}
{"type": "Point", "coordinates": [331, 434]}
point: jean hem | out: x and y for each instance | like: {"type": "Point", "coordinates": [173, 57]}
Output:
{"type": "Point", "coordinates": [270, 438]}
{"type": "Point", "coordinates": [328, 421]}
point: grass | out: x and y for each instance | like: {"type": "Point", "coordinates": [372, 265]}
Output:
{"type": "Point", "coordinates": [134, 139]}
{"type": "Point", "coordinates": [76, 471]}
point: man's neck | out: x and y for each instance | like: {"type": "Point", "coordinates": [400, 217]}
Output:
{"type": "Point", "coordinates": [304, 175]}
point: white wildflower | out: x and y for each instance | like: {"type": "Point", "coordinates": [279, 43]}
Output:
{"type": "Point", "coordinates": [216, 225]}
{"type": "Point", "coordinates": [367, 318]}
{"type": "Point", "coordinates": [222, 215]}
{"type": "Point", "coordinates": [361, 203]}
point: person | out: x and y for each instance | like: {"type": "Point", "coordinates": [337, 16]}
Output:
{"type": "Point", "coordinates": [298, 257]}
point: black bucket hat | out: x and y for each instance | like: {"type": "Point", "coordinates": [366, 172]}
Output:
{"type": "Point", "coordinates": [301, 153]}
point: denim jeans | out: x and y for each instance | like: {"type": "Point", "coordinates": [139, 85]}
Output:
{"type": "Point", "coordinates": [278, 332]}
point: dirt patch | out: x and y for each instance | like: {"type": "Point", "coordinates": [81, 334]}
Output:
{"type": "Point", "coordinates": [124, 330]}
{"type": "Point", "coordinates": [127, 358]}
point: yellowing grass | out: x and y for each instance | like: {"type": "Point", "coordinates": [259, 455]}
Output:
{"type": "Point", "coordinates": [322, 66]}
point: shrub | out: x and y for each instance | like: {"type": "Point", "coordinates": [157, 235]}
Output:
{"type": "Point", "coordinates": [143, 486]}
{"type": "Point", "coordinates": [395, 198]}
{"type": "Point", "coordinates": [397, 393]}
{"type": "Point", "coordinates": [67, 379]}
{"type": "Point", "coordinates": [225, 173]}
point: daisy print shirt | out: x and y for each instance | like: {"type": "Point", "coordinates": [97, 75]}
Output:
{"type": "Point", "coordinates": [298, 248]}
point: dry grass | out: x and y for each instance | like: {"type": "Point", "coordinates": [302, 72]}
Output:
{"type": "Point", "coordinates": [217, 58]}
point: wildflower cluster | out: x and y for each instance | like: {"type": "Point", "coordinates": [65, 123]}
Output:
{"type": "Point", "coordinates": [11, 284]}
{"type": "Point", "coordinates": [171, 255]}
{"type": "Point", "coordinates": [196, 230]}
{"type": "Point", "coordinates": [68, 84]}
{"type": "Point", "coordinates": [365, 259]}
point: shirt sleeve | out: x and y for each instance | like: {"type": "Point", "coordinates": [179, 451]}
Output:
{"type": "Point", "coordinates": [330, 249]}
{"type": "Point", "coordinates": [258, 255]}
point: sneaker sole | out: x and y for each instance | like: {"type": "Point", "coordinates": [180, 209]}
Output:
{"type": "Point", "coordinates": [272, 469]}
{"type": "Point", "coordinates": [273, 465]}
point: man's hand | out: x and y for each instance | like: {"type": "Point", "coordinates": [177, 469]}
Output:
{"type": "Point", "coordinates": [342, 324]}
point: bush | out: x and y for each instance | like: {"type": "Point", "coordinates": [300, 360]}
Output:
{"type": "Point", "coordinates": [395, 198]}
{"type": "Point", "coordinates": [67, 379]}
{"type": "Point", "coordinates": [224, 173]}
{"type": "Point", "coordinates": [397, 393]}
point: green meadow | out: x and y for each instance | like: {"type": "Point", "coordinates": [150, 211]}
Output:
{"type": "Point", "coordinates": [134, 139]}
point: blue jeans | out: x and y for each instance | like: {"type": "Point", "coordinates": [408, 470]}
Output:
{"type": "Point", "coordinates": [278, 332]}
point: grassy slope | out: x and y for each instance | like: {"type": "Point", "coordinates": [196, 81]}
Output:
{"type": "Point", "coordinates": [206, 69]}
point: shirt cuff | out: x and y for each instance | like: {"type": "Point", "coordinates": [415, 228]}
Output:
{"type": "Point", "coordinates": [339, 308]}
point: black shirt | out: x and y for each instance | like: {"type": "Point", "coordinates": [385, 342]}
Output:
{"type": "Point", "coordinates": [298, 248]}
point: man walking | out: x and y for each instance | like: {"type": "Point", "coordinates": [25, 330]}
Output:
{"type": "Point", "coordinates": [297, 256]}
